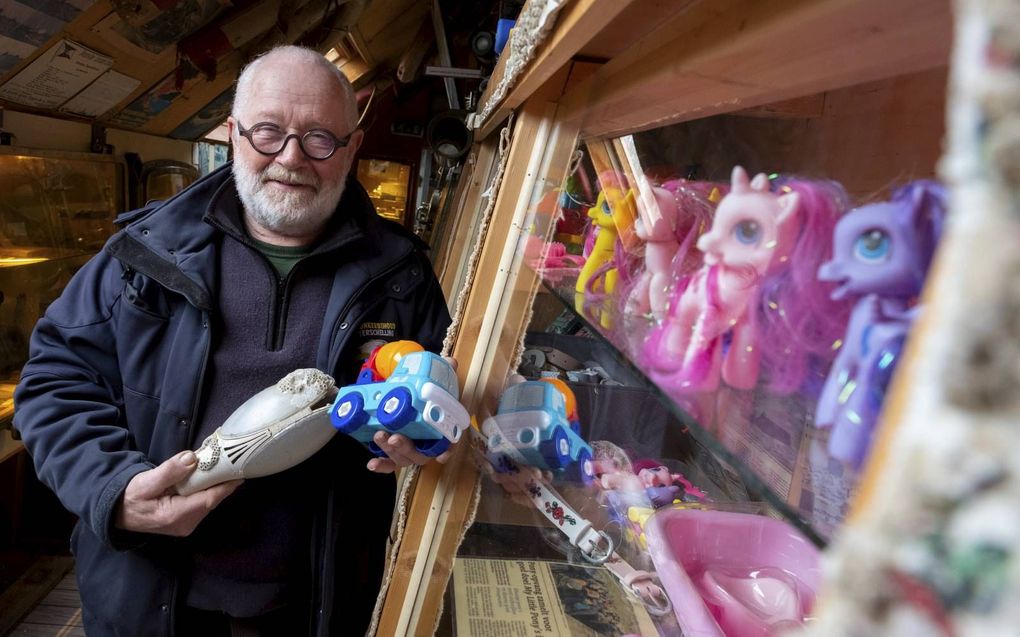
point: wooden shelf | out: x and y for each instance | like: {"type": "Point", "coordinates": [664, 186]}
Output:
{"type": "Point", "coordinates": [9, 447]}
{"type": "Point", "coordinates": [729, 55]}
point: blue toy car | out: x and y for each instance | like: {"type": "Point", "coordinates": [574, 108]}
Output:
{"type": "Point", "coordinates": [419, 399]}
{"type": "Point", "coordinates": [532, 426]}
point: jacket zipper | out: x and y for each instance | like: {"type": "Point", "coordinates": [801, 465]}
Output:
{"type": "Point", "coordinates": [334, 355]}
{"type": "Point", "coordinates": [327, 539]}
{"type": "Point", "coordinates": [281, 296]}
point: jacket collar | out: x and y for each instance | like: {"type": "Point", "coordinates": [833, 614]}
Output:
{"type": "Point", "coordinates": [174, 242]}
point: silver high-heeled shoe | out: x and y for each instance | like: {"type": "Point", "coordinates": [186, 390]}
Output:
{"type": "Point", "coordinates": [277, 428]}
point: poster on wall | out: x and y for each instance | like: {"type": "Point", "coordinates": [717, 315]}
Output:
{"type": "Point", "coordinates": [115, 32]}
{"type": "Point", "coordinates": [56, 76]}
{"type": "Point", "coordinates": [24, 28]}
{"type": "Point", "coordinates": [214, 113]}
{"type": "Point", "coordinates": [142, 110]}
{"type": "Point", "coordinates": [102, 95]}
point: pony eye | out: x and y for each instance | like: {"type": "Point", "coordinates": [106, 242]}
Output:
{"type": "Point", "coordinates": [747, 232]}
{"type": "Point", "coordinates": [606, 209]}
{"type": "Point", "coordinates": [872, 246]}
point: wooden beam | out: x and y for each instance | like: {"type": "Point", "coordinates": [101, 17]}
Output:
{"type": "Point", "coordinates": [354, 70]}
{"type": "Point", "coordinates": [444, 499]}
{"type": "Point", "coordinates": [522, 186]}
{"type": "Point", "coordinates": [807, 107]}
{"type": "Point", "coordinates": [454, 252]}
{"type": "Point", "coordinates": [8, 445]}
{"type": "Point", "coordinates": [409, 66]}
{"type": "Point", "coordinates": [380, 14]}
{"type": "Point", "coordinates": [389, 44]}
{"type": "Point", "coordinates": [575, 26]}
{"type": "Point", "coordinates": [726, 55]}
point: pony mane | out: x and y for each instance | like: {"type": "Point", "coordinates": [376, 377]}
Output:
{"type": "Point", "coordinates": [694, 200]}
{"type": "Point", "coordinates": [795, 319]}
{"type": "Point", "coordinates": [924, 204]}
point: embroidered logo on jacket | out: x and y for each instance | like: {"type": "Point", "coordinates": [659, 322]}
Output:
{"type": "Point", "coordinates": [378, 330]}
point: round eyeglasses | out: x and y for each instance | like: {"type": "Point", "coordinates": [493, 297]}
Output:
{"type": "Point", "coordinates": [269, 139]}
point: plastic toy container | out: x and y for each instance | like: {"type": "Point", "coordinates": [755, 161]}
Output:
{"type": "Point", "coordinates": [733, 574]}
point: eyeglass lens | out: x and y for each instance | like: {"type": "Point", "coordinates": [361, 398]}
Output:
{"type": "Point", "coordinates": [271, 140]}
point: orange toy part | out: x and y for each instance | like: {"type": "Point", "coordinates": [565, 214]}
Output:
{"type": "Point", "coordinates": [568, 396]}
{"type": "Point", "coordinates": [387, 356]}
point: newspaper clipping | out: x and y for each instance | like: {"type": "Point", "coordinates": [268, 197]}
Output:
{"type": "Point", "coordinates": [525, 598]}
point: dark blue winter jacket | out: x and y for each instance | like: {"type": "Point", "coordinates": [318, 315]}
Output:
{"type": "Point", "coordinates": [115, 378]}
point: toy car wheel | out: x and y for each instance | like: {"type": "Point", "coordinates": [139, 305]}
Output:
{"type": "Point", "coordinates": [585, 467]}
{"type": "Point", "coordinates": [376, 450]}
{"type": "Point", "coordinates": [556, 450]}
{"type": "Point", "coordinates": [349, 414]}
{"type": "Point", "coordinates": [432, 448]}
{"type": "Point", "coordinates": [396, 409]}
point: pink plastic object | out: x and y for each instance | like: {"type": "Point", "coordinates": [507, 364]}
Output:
{"type": "Point", "coordinates": [733, 574]}
{"type": "Point", "coordinates": [655, 226]}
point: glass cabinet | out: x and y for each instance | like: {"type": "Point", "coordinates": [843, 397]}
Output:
{"type": "Point", "coordinates": [56, 211]}
{"type": "Point", "coordinates": [703, 266]}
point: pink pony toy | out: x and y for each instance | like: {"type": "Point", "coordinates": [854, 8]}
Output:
{"type": "Point", "coordinates": [668, 225]}
{"type": "Point", "coordinates": [756, 297]}
{"type": "Point", "coordinates": [655, 226]}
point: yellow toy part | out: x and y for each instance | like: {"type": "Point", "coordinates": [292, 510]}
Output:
{"type": "Point", "coordinates": [625, 212]}
{"type": "Point", "coordinates": [568, 396]}
{"type": "Point", "coordinates": [389, 355]}
{"type": "Point", "coordinates": [638, 517]}
{"type": "Point", "coordinates": [612, 210]}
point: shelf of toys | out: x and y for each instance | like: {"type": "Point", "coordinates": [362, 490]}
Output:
{"type": "Point", "coordinates": [703, 264]}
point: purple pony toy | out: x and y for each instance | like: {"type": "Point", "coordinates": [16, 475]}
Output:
{"type": "Point", "coordinates": [880, 258]}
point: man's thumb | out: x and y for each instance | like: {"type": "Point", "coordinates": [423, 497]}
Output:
{"type": "Point", "coordinates": [172, 471]}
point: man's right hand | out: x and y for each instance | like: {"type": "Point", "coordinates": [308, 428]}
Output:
{"type": "Point", "coordinates": [151, 505]}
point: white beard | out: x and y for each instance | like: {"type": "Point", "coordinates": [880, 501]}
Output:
{"type": "Point", "coordinates": [286, 213]}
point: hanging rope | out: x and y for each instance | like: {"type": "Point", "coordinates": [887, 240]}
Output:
{"type": "Point", "coordinates": [532, 27]}
{"type": "Point", "coordinates": [483, 228]}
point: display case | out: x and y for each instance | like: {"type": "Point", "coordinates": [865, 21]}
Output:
{"type": "Point", "coordinates": [703, 265]}
{"type": "Point", "coordinates": [388, 183]}
{"type": "Point", "coordinates": [56, 211]}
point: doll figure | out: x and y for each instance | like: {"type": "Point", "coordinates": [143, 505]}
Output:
{"type": "Point", "coordinates": [881, 255]}
{"type": "Point", "coordinates": [664, 487]}
{"type": "Point", "coordinates": [643, 483]}
{"type": "Point", "coordinates": [668, 226]}
{"type": "Point", "coordinates": [597, 281]}
{"type": "Point", "coordinates": [655, 225]}
{"type": "Point", "coordinates": [755, 297]}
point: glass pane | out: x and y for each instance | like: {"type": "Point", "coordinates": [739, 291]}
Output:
{"type": "Point", "coordinates": [386, 182]}
{"type": "Point", "coordinates": [454, 244]}
{"type": "Point", "coordinates": [54, 215]}
{"type": "Point", "coordinates": [721, 304]}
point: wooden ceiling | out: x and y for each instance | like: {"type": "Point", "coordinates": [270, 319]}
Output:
{"type": "Point", "coordinates": [167, 67]}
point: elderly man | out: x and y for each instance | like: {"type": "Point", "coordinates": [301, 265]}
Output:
{"type": "Point", "coordinates": [275, 264]}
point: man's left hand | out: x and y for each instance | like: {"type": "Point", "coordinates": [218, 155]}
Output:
{"type": "Point", "coordinates": [401, 453]}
